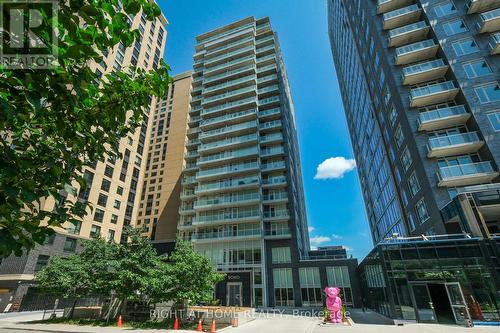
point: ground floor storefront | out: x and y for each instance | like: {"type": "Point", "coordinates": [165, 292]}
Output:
{"type": "Point", "coordinates": [448, 281]}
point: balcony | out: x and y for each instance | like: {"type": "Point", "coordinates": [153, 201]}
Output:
{"type": "Point", "coordinates": [192, 166]}
{"type": "Point", "coordinates": [250, 59]}
{"type": "Point", "coordinates": [228, 200]}
{"type": "Point", "coordinates": [269, 59]}
{"type": "Point", "coordinates": [229, 118]}
{"type": "Point", "coordinates": [279, 214]}
{"type": "Point", "coordinates": [267, 68]}
{"type": "Point", "coordinates": [455, 144]}
{"type": "Point", "coordinates": [408, 34]}
{"type": "Point", "coordinates": [229, 142]}
{"type": "Point", "coordinates": [477, 6]}
{"type": "Point", "coordinates": [416, 52]}
{"type": "Point", "coordinates": [268, 90]}
{"type": "Point", "coordinates": [233, 54]}
{"type": "Point", "coordinates": [270, 113]}
{"type": "Point", "coordinates": [267, 78]}
{"type": "Point", "coordinates": [274, 181]}
{"type": "Point", "coordinates": [423, 72]}
{"type": "Point", "coordinates": [402, 16]}
{"type": "Point", "coordinates": [233, 45]}
{"type": "Point", "coordinates": [280, 197]}
{"type": "Point", "coordinates": [234, 215]}
{"type": "Point", "coordinates": [433, 94]}
{"type": "Point", "coordinates": [228, 235]}
{"type": "Point", "coordinates": [232, 94]}
{"type": "Point", "coordinates": [466, 174]}
{"type": "Point", "coordinates": [186, 210]}
{"type": "Point", "coordinates": [228, 74]}
{"type": "Point", "coordinates": [273, 166]}
{"type": "Point", "coordinates": [228, 155]}
{"type": "Point", "coordinates": [228, 170]}
{"type": "Point", "coordinates": [272, 137]}
{"type": "Point", "coordinates": [384, 6]}
{"type": "Point", "coordinates": [235, 184]}
{"type": "Point", "coordinates": [269, 100]}
{"type": "Point", "coordinates": [193, 143]}
{"type": "Point", "coordinates": [193, 154]}
{"type": "Point", "coordinates": [495, 43]}
{"type": "Point", "coordinates": [249, 79]}
{"type": "Point", "coordinates": [268, 152]}
{"type": "Point", "coordinates": [490, 21]}
{"type": "Point", "coordinates": [270, 125]}
{"type": "Point", "coordinates": [443, 118]}
{"type": "Point", "coordinates": [188, 194]}
{"type": "Point", "coordinates": [278, 234]}
{"type": "Point", "coordinates": [238, 128]}
{"type": "Point", "coordinates": [230, 105]}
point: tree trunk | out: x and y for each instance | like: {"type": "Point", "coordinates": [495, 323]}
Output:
{"type": "Point", "coordinates": [70, 315]}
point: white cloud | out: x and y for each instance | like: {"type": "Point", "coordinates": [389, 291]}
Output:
{"type": "Point", "coordinates": [334, 168]}
{"type": "Point", "coordinates": [311, 229]}
{"type": "Point", "coordinates": [318, 240]}
{"type": "Point", "coordinates": [335, 236]}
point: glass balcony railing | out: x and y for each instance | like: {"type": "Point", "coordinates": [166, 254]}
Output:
{"type": "Point", "coordinates": [273, 165]}
{"type": "Point", "coordinates": [275, 196]}
{"type": "Point", "coordinates": [228, 142]}
{"type": "Point", "coordinates": [192, 154]}
{"type": "Point", "coordinates": [490, 21]}
{"type": "Point", "coordinates": [229, 129]}
{"type": "Point", "coordinates": [269, 100]}
{"type": "Point", "coordinates": [407, 33]}
{"type": "Point", "coordinates": [194, 119]}
{"type": "Point", "coordinates": [274, 181]}
{"type": "Point", "coordinates": [415, 47]}
{"type": "Point", "coordinates": [229, 155]}
{"type": "Point", "coordinates": [228, 55]}
{"type": "Point", "coordinates": [270, 112]}
{"type": "Point", "coordinates": [268, 57]}
{"type": "Point", "coordinates": [235, 115]}
{"type": "Point", "coordinates": [229, 83]}
{"type": "Point", "coordinates": [444, 115]}
{"type": "Point", "coordinates": [228, 105]}
{"type": "Point", "coordinates": [265, 48]}
{"type": "Point", "coordinates": [265, 39]}
{"type": "Point", "coordinates": [226, 33]}
{"type": "Point", "coordinates": [278, 232]}
{"type": "Point", "coordinates": [267, 78]}
{"type": "Point", "coordinates": [271, 137]}
{"type": "Point", "coordinates": [423, 67]}
{"type": "Point", "coordinates": [229, 45]}
{"type": "Point", "coordinates": [495, 43]}
{"type": "Point", "coordinates": [272, 151]}
{"type": "Point", "coordinates": [233, 214]}
{"type": "Point", "coordinates": [476, 6]}
{"type": "Point", "coordinates": [464, 170]}
{"type": "Point", "coordinates": [426, 93]}
{"type": "Point", "coordinates": [229, 73]}
{"type": "Point", "coordinates": [228, 94]}
{"type": "Point", "coordinates": [227, 234]}
{"type": "Point", "coordinates": [239, 197]}
{"type": "Point", "coordinates": [267, 68]}
{"type": "Point", "coordinates": [271, 88]}
{"type": "Point", "coordinates": [277, 214]}
{"type": "Point", "coordinates": [264, 26]}
{"type": "Point", "coordinates": [400, 12]}
{"type": "Point", "coordinates": [240, 167]}
{"type": "Point", "coordinates": [229, 63]}
{"type": "Point", "coordinates": [452, 140]}
{"type": "Point", "coordinates": [193, 142]}
{"type": "Point", "coordinates": [270, 124]}
{"type": "Point", "coordinates": [228, 184]}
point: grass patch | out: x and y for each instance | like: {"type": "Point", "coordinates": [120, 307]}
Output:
{"type": "Point", "coordinates": [148, 324]}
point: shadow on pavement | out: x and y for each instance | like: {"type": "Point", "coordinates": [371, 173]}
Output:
{"type": "Point", "coordinates": [369, 318]}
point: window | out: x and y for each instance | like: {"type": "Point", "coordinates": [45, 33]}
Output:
{"type": "Point", "coordinates": [105, 185]}
{"type": "Point", "coordinates": [406, 159]}
{"type": "Point", "coordinates": [421, 209]}
{"type": "Point", "coordinates": [70, 244]}
{"type": "Point", "coordinates": [476, 68]}
{"type": "Point", "coordinates": [445, 8]}
{"type": "Point", "coordinates": [454, 27]}
{"type": "Point", "coordinates": [465, 46]}
{"type": "Point", "coordinates": [399, 137]}
{"type": "Point", "coordinates": [108, 171]}
{"type": "Point", "coordinates": [49, 240]}
{"type": "Point", "coordinates": [111, 235]}
{"type": "Point", "coordinates": [310, 286]}
{"type": "Point", "coordinates": [283, 287]}
{"type": "Point", "coordinates": [488, 93]}
{"type": "Point", "coordinates": [119, 190]}
{"type": "Point", "coordinates": [338, 276]}
{"type": "Point", "coordinates": [413, 184]}
{"type": "Point", "coordinates": [281, 255]}
{"type": "Point", "coordinates": [411, 220]}
{"type": "Point", "coordinates": [117, 204]}
{"type": "Point", "coordinates": [494, 119]}
{"type": "Point", "coordinates": [102, 200]}
{"type": "Point", "coordinates": [393, 116]}
{"type": "Point", "coordinates": [114, 218]}
{"type": "Point", "coordinates": [98, 215]}
{"type": "Point", "coordinates": [41, 262]}
{"type": "Point", "coordinates": [95, 231]}
{"type": "Point", "coordinates": [74, 227]}
{"type": "Point", "coordinates": [130, 141]}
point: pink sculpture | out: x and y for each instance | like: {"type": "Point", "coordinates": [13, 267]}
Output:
{"type": "Point", "coordinates": [334, 304]}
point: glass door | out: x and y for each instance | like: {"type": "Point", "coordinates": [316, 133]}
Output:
{"type": "Point", "coordinates": [234, 294]}
{"type": "Point", "coordinates": [457, 302]}
{"type": "Point", "coordinates": [423, 303]}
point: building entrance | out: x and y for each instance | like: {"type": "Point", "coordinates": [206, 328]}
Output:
{"type": "Point", "coordinates": [442, 303]}
{"type": "Point", "coordinates": [234, 297]}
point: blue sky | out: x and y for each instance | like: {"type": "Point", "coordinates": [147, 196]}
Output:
{"type": "Point", "coordinates": [335, 208]}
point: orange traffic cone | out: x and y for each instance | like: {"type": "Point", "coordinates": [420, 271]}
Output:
{"type": "Point", "coordinates": [200, 327]}
{"type": "Point", "coordinates": [235, 322]}
{"type": "Point", "coordinates": [176, 324]}
{"type": "Point", "coordinates": [120, 321]}
{"type": "Point", "coordinates": [212, 327]}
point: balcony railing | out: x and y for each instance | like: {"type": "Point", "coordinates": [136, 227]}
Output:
{"type": "Point", "coordinates": [228, 169]}
{"type": "Point", "coordinates": [230, 83]}
{"type": "Point", "coordinates": [235, 215]}
{"type": "Point", "coordinates": [274, 181]}
{"type": "Point", "coordinates": [266, 68]}
{"type": "Point", "coordinates": [228, 105]}
{"type": "Point", "coordinates": [265, 39]}
{"type": "Point", "coordinates": [229, 45]}
{"type": "Point", "coordinates": [229, 73]}
{"type": "Point", "coordinates": [229, 117]}
{"type": "Point", "coordinates": [433, 94]}
{"type": "Point", "coordinates": [477, 6]}
{"type": "Point", "coordinates": [466, 174]}
{"type": "Point", "coordinates": [267, 78]}
{"type": "Point", "coordinates": [408, 33]}
{"type": "Point", "coordinates": [248, 26]}
{"type": "Point", "coordinates": [271, 137]}
{"type": "Point", "coordinates": [229, 129]}
{"type": "Point", "coordinates": [270, 124]}
{"type": "Point", "coordinates": [270, 112]}
{"type": "Point", "coordinates": [269, 100]}
{"type": "Point", "coordinates": [272, 151]}
{"type": "Point", "coordinates": [277, 214]}
{"type": "Point", "coordinates": [278, 233]}
{"type": "Point", "coordinates": [228, 200]}
{"type": "Point", "coordinates": [495, 43]}
{"type": "Point", "coordinates": [384, 6]}
{"type": "Point", "coordinates": [228, 184]}
{"type": "Point", "coordinates": [228, 94]}
{"type": "Point", "coordinates": [267, 89]}
{"type": "Point", "coordinates": [244, 139]}
{"type": "Point", "coordinates": [416, 52]}
{"type": "Point", "coordinates": [228, 55]}
{"type": "Point", "coordinates": [401, 16]}
{"type": "Point", "coordinates": [273, 166]}
{"type": "Point", "coordinates": [227, 234]}
{"type": "Point", "coordinates": [422, 72]}
{"type": "Point", "coordinates": [455, 144]}
{"type": "Point", "coordinates": [229, 64]}
{"type": "Point", "coordinates": [443, 118]}
{"type": "Point", "coordinates": [490, 21]}
{"type": "Point", "coordinates": [226, 155]}
{"type": "Point", "coordinates": [281, 196]}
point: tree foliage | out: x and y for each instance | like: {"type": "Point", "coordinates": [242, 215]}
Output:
{"type": "Point", "coordinates": [56, 121]}
{"type": "Point", "coordinates": [131, 271]}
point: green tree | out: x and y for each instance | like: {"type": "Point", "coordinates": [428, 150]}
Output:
{"type": "Point", "coordinates": [192, 276]}
{"type": "Point", "coordinates": [57, 121]}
